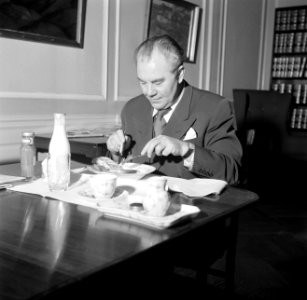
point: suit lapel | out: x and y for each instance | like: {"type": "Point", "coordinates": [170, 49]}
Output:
{"type": "Point", "coordinates": [144, 120]}
{"type": "Point", "coordinates": [181, 120]}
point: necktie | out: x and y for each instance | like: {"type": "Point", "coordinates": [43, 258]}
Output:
{"type": "Point", "coordinates": [159, 122]}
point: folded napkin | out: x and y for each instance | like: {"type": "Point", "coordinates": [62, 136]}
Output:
{"type": "Point", "coordinates": [196, 187]}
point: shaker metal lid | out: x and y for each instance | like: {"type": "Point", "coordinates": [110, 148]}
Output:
{"type": "Point", "coordinates": [28, 134]}
{"type": "Point", "coordinates": [136, 206]}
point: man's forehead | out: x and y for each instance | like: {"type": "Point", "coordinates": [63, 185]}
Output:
{"type": "Point", "coordinates": [156, 60]}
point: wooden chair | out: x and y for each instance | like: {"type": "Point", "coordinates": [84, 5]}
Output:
{"type": "Point", "coordinates": [262, 120]}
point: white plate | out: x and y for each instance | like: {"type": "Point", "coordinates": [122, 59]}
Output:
{"type": "Point", "coordinates": [134, 170]}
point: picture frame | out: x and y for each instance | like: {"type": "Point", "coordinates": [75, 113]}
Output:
{"type": "Point", "coordinates": [179, 19]}
{"type": "Point", "coordinates": [59, 22]}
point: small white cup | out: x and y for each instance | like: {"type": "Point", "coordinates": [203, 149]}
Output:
{"type": "Point", "coordinates": [103, 185]}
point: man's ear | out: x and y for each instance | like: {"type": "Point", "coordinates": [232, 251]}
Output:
{"type": "Point", "coordinates": [180, 71]}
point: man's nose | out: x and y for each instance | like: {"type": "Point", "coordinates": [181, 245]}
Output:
{"type": "Point", "coordinates": [151, 91]}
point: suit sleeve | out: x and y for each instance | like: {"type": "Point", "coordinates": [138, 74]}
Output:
{"type": "Point", "coordinates": [220, 154]}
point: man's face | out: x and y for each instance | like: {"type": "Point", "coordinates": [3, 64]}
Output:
{"type": "Point", "coordinates": [158, 80]}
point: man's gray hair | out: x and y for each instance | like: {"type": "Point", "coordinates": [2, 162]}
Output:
{"type": "Point", "coordinates": [166, 45]}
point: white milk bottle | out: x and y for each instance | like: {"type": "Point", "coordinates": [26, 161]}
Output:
{"type": "Point", "coordinates": [58, 164]}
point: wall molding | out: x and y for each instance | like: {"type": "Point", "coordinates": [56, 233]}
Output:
{"type": "Point", "coordinates": [116, 50]}
{"type": "Point", "coordinates": [104, 40]}
{"type": "Point", "coordinates": [267, 44]}
{"type": "Point", "coordinates": [262, 47]}
{"type": "Point", "coordinates": [50, 96]}
{"type": "Point", "coordinates": [70, 119]}
{"type": "Point", "coordinates": [117, 97]}
{"type": "Point", "coordinates": [205, 52]}
{"type": "Point", "coordinates": [223, 33]}
{"type": "Point", "coordinates": [101, 96]}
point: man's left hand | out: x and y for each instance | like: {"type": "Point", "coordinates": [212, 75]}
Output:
{"type": "Point", "coordinates": [163, 145]}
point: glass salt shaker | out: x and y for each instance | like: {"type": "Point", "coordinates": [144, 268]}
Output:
{"type": "Point", "coordinates": [27, 154]}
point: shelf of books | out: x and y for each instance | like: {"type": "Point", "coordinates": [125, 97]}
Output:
{"type": "Point", "coordinates": [289, 62]}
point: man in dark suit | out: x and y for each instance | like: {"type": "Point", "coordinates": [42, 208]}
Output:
{"type": "Point", "coordinates": [198, 138]}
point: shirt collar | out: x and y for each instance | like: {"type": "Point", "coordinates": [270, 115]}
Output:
{"type": "Point", "coordinates": [172, 108]}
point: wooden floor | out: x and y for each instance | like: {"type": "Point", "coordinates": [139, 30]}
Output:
{"type": "Point", "coordinates": [271, 258]}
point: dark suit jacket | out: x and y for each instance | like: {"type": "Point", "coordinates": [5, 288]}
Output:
{"type": "Point", "coordinates": [217, 150]}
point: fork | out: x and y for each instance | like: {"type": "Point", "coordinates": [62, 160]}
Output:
{"type": "Point", "coordinates": [130, 158]}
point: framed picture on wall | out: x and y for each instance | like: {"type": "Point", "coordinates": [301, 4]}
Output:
{"type": "Point", "coordinates": [179, 19]}
{"type": "Point", "coordinates": [59, 22]}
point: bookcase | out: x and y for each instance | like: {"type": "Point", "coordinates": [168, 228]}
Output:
{"type": "Point", "coordinates": [289, 62]}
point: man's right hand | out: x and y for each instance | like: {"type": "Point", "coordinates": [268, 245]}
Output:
{"type": "Point", "coordinates": [117, 142]}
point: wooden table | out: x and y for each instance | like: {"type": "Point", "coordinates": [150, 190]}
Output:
{"type": "Point", "coordinates": [51, 249]}
{"type": "Point", "coordinates": [83, 149]}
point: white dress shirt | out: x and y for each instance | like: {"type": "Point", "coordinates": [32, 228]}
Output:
{"type": "Point", "coordinates": [189, 160]}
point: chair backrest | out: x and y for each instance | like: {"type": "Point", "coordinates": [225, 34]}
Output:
{"type": "Point", "coordinates": [267, 113]}
{"type": "Point", "coordinates": [262, 119]}
{"type": "Point", "coordinates": [240, 103]}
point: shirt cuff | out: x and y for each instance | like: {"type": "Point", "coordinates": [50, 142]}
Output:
{"type": "Point", "coordinates": [189, 157]}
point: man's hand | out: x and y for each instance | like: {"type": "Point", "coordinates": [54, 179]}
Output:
{"type": "Point", "coordinates": [118, 142]}
{"type": "Point", "coordinates": [164, 146]}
